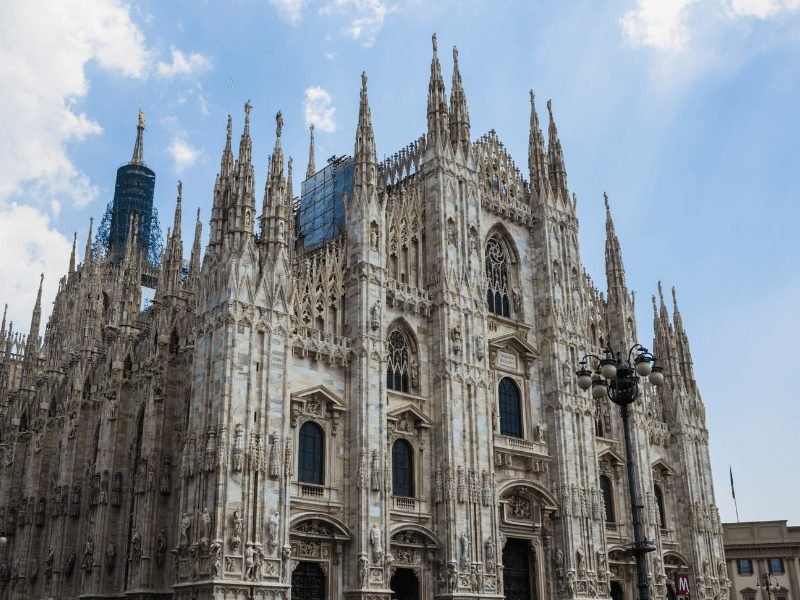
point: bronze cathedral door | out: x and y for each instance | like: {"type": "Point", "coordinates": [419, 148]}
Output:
{"type": "Point", "coordinates": [308, 582]}
{"type": "Point", "coordinates": [517, 572]}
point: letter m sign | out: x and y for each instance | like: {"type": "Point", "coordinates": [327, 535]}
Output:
{"type": "Point", "coordinates": [682, 583]}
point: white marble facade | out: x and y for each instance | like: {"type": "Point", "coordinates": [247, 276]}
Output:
{"type": "Point", "coordinates": [241, 436]}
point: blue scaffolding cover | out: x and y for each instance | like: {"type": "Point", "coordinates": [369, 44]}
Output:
{"type": "Point", "coordinates": [322, 202]}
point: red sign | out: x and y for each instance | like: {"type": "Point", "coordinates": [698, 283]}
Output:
{"type": "Point", "coordinates": [682, 583]}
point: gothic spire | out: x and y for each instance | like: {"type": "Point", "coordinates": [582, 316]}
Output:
{"type": "Point", "coordinates": [438, 129]}
{"type": "Point", "coordinates": [72, 254]}
{"type": "Point", "coordinates": [246, 144]}
{"type": "Point", "coordinates": [138, 147]}
{"type": "Point", "coordinates": [194, 259]}
{"type": "Point", "coordinates": [555, 155]}
{"type": "Point", "coordinates": [615, 271]}
{"type": "Point", "coordinates": [275, 209]}
{"type": "Point", "coordinates": [3, 326]}
{"type": "Point", "coordinates": [537, 155]}
{"type": "Point", "coordinates": [312, 167]}
{"type": "Point", "coordinates": [682, 342]}
{"type": "Point", "coordinates": [289, 190]}
{"type": "Point", "coordinates": [365, 153]}
{"type": "Point", "coordinates": [176, 225]}
{"type": "Point", "coordinates": [36, 318]}
{"type": "Point", "coordinates": [459, 114]}
{"type": "Point", "coordinates": [226, 162]}
{"type": "Point", "coordinates": [87, 254]}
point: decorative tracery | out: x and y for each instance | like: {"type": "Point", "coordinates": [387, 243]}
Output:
{"type": "Point", "coordinates": [497, 289]}
{"type": "Point", "coordinates": [397, 362]}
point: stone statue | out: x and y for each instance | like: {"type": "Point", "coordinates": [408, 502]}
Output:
{"type": "Point", "coordinates": [375, 477]}
{"type": "Point", "coordinates": [88, 555]}
{"type": "Point", "coordinates": [186, 524]}
{"type": "Point", "coordinates": [136, 544]}
{"type": "Point", "coordinates": [205, 524]}
{"type": "Point", "coordinates": [274, 526]}
{"type": "Point", "coordinates": [249, 562]}
{"type": "Point", "coordinates": [111, 557]}
{"type": "Point", "coordinates": [375, 541]}
{"type": "Point", "coordinates": [491, 552]}
{"type": "Point", "coordinates": [236, 538]}
{"type": "Point", "coordinates": [161, 548]}
{"type": "Point", "coordinates": [216, 557]}
{"type": "Point", "coordinates": [363, 571]}
{"type": "Point", "coordinates": [464, 542]}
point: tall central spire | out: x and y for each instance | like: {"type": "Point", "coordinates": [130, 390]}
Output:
{"type": "Point", "coordinates": [438, 129]}
{"type": "Point", "coordinates": [138, 147]}
{"type": "Point", "coordinates": [558, 171]}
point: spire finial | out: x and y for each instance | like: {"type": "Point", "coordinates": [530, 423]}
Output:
{"type": "Point", "coordinates": [180, 190]}
{"type": "Point", "coordinates": [550, 107]}
{"type": "Point", "coordinates": [660, 292]}
{"type": "Point", "coordinates": [655, 307]}
{"type": "Point", "coordinates": [247, 108]}
{"type": "Point", "coordinates": [87, 255]}
{"type": "Point", "coordinates": [312, 167]}
{"type": "Point", "coordinates": [230, 129]}
{"type": "Point", "coordinates": [533, 98]}
{"type": "Point", "coordinates": [605, 197]}
{"type": "Point", "coordinates": [455, 55]}
{"type": "Point", "coordinates": [674, 299]}
{"type": "Point", "coordinates": [72, 254]}
{"type": "Point", "coordinates": [433, 41]}
{"type": "Point", "coordinates": [278, 124]}
{"type": "Point", "coordinates": [363, 81]}
{"type": "Point", "coordinates": [138, 147]}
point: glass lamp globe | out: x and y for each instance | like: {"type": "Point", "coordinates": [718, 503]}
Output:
{"type": "Point", "coordinates": [643, 366]}
{"type": "Point", "coordinates": [608, 370]}
{"type": "Point", "coordinates": [656, 376]}
{"type": "Point", "coordinates": [599, 389]}
{"type": "Point", "coordinates": [584, 379]}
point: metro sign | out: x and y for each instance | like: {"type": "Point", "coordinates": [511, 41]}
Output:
{"type": "Point", "coordinates": [682, 583]}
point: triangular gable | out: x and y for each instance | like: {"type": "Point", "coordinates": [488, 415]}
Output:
{"type": "Point", "coordinates": [323, 393]}
{"type": "Point", "coordinates": [422, 420]}
{"type": "Point", "coordinates": [512, 341]}
{"type": "Point", "coordinates": [660, 465]}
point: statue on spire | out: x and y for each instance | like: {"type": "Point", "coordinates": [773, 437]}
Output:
{"type": "Point", "coordinates": [247, 108]}
{"type": "Point", "coordinates": [279, 124]}
{"type": "Point", "coordinates": [364, 80]}
{"type": "Point", "coordinates": [433, 40]}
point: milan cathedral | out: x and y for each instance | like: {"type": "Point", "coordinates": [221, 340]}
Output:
{"type": "Point", "coordinates": [375, 402]}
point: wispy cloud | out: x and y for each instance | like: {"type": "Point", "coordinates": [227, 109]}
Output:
{"type": "Point", "coordinates": [762, 9]}
{"type": "Point", "coordinates": [292, 10]}
{"type": "Point", "coordinates": [183, 64]}
{"type": "Point", "coordinates": [364, 17]}
{"type": "Point", "coordinates": [319, 110]}
{"type": "Point", "coordinates": [183, 153]}
{"type": "Point", "coordinates": [657, 24]}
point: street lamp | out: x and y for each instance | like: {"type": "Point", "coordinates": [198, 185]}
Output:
{"type": "Point", "coordinates": [619, 381]}
{"type": "Point", "coordinates": [767, 580]}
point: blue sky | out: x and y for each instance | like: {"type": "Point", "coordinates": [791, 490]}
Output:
{"type": "Point", "coordinates": [684, 111]}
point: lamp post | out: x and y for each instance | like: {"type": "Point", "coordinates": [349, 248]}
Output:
{"type": "Point", "coordinates": [619, 381]}
{"type": "Point", "coordinates": [767, 584]}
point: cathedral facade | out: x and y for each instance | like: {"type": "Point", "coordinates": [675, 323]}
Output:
{"type": "Point", "coordinates": [389, 412]}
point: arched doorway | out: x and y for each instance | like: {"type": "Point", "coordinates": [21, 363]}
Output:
{"type": "Point", "coordinates": [616, 591]}
{"type": "Point", "coordinates": [404, 585]}
{"type": "Point", "coordinates": [308, 582]}
{"type": "Point", "coordinates": [518, 573]}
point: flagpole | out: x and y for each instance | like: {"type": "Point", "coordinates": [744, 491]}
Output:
{"type": "Point", "coordinates": [733, 493]}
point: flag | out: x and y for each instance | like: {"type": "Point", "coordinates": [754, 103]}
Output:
{"type": "Point", "coordinates": [733, 491]}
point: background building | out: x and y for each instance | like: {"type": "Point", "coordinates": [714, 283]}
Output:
{"type": "Point", "coordinates": [387, 405]}
{"type": "Point", "coordinates": [755, 548]}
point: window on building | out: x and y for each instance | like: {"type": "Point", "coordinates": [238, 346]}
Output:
{"type": "Point", "coordinates": [403, 469]}
{"type": "Point", "coordinates": [497, 299]}
{"type": "Point", "coordinates": [397, 362]}
{"type": "Point", "coordinates": [744, 566]}
{"type": "Point", "coordinates": [510, 408]}
{"type": "Point", "coordinates": [311, 454]}
{"type": "Point", "coordinates": [775, 565]}
{"type": "Point", "coordinates": [662, 514]}
{"type": "Point", "coordinates": [608, 498]}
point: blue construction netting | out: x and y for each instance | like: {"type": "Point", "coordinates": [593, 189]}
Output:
{"type": "Point", "coordinates": [133, 193]}
{"type": "Point", "coordinates": [321, 212]}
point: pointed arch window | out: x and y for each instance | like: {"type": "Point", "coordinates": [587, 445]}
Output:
{"type": "Point", "coordinates": [510, 408]}
{"type": "Point", "coordinates": [311, 454]}
{"type": "Point", "coordinates": [497, 299]}
{"type": "Point", "coordinates": [397, 378]}
{"type": "Point", "coordinates": [402, 469]}
{"type": "Point", "coordinates": [662, 514]}
{"type": "Point", "coordinates": [608, 498]}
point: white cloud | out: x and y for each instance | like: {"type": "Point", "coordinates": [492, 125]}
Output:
{"type": "Point", "coordinates": [657, 24]}
{"type": "Point", "coordinates": [319, 110]}
{"type": "Point", "coordinates": [761, 9]}
{"type": "Point", "coordinates": [291, 10]}
{"type": "Point", "coordinates": [42, 61]}
{"type": "Point", "coordinates": [38, 248]}
{"type": "Point", "coordinates": [183, 64]}
{"type": "Point", "coordinates": [183, 153]}
{"type": "Point", "coordinates": [365, 17]}
{"type": "Point", "coordinates": [669, 25]}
